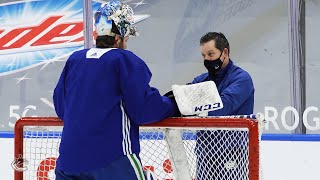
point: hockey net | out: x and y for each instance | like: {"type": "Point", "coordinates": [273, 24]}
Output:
{"type": "Point", "coordinates": [176, 148]}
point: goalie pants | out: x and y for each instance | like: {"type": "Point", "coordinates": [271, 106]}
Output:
{"type": "Point", "coordinates": [126, 167]}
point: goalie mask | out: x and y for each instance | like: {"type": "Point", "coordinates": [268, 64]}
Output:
{"type": "Point", "coordinates": [121, 14]}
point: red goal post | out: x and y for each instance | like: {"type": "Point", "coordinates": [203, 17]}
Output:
{"type": "Point", "coordinates": [229, 144]}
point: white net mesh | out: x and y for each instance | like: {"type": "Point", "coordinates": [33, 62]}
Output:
{"type": "Point", "coordinates": [220, 154]}
{"type": "Point", "coordinates": [200, 153]}
{"type": "Point", "coordinates": [40, 149]}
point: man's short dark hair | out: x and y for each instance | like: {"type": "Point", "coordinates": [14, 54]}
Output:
{"type": "Point", "coordinates": [107, 41]}
{"type": "Point", "coordinates": [221, 41]}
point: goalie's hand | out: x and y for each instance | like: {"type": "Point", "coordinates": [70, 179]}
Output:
{"type": "Point", "coordinates": [169, 95]}
{"type": "Point", "coordinates": [173, 99]}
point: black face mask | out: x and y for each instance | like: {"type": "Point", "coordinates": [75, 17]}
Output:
{"type": "Point", "coordinates": [213, 66]}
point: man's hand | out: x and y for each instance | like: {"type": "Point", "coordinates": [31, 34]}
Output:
{"type": "Point", "coordinates": [170, 94]}
{"type": "Point", "coordinates": [173, 99]}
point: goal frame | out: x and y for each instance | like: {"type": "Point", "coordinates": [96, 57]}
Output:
{"type": "Point", "coordinates": [184, 122]}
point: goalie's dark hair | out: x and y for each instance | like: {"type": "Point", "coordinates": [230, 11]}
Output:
{"type": "Point", "coordinates": [221, 41]}
{"type": "Point", "coordinates": [107, 41]}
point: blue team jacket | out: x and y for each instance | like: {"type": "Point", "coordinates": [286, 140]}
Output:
{"type": "Point", "coordinates": [236, 90]}
{"type": "Point", "coordinates": [103, 95]}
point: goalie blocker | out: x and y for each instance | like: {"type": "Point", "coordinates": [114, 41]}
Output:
{"type": "Point", "coordinates": [198, 98]}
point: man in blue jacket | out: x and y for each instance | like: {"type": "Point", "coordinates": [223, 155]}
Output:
{"type": "Point", "coordinates": [103, 95]}
{"type": "Point", "coordinates": [236, 90]}
{"type": "Point", "coordinates": [234, 84]}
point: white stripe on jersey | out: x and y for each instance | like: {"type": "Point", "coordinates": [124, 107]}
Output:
{"type": "Point", "coordinates": [123, 131]}
{"type": "Point", "coordinates": [128, 127]}
{"type": "Point", "coordinates": [126, 141]}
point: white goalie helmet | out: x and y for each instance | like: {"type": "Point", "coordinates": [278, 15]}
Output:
{"type": "Point", "coordinates": [120, 13]}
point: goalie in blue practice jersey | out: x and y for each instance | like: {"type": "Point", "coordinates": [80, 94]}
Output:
{"type": "Point", "coordinates": [103, 95]}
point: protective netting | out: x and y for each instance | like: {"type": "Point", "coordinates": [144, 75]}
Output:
{"type": "Point", "coordinates": [210, 153]}
{"type": "Point", "coordinates": [40, 150]}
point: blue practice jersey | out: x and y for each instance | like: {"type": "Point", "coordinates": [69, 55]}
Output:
{"type": "Point", "coordinates": [103, 95]}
